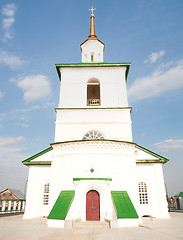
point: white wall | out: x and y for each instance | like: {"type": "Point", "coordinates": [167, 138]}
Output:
{"type": "Point", "coordinates": [73, 90]}
{"type": "Point", "coordinates": [94, 47]}
{"type": "Point", "coordinates": [152, 174]}
{"type": "Point", "coordinates": [109, 160]}
{"type": "Point", "coordinates": [74, 124]}
{"type": "Point", "coordinates": [38, 176]}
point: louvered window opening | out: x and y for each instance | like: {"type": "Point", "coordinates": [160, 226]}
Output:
{"type": "Point", "coordinates": [46, 194]}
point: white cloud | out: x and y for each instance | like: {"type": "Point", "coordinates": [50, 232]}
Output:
{"type": "Point", "coordinates": [35, 87]}
{"type": "Point", "coordinates": [10, 140]}
{"type": "Point", "coordinates": [1, 94]}
{"type": "Point", "coordinates": [155, 56]}
{"type": "Point", "coordinates": [170, 144]}
{"type": "Point", "coordinates": [160, 81]}
{"type": "Point", "coordinates": [10, 59]}
{"type": "Point", "coordinates": [7, 22]}
{"type": "Point", "coordinates": [8, 12]}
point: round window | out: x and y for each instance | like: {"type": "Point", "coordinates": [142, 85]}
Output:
{"type": "Point", "coordinates": [92, 135]}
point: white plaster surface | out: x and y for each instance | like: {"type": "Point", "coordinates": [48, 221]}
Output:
{"type": "Point", "coordinates": [112, 123]}
{"type": "Point", "coordinates": [73, 90]}
{"type": "Point", "coordinates": [92, 47]}
{"type": "Point", "coordinates": [16, 228]}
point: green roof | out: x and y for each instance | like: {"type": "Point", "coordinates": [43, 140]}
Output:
{"type": "Point", "coordinates": [80, 179]}
{"type": "Point", "coordinates": [93, 64]}
{"type": "Point", "coordinates": [123, 205]}
{"type": "Point", "coordinates": [28, 160]}
{"type": "Point", "coordinates": [161, 158]}
{"type": "Point", "coordinates": [62, 205]}
{"type": "Point", "coordinates": [179, 195]}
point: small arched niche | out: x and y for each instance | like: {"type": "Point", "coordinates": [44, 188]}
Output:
{"type": "Point", "coordinates": [93, 92]}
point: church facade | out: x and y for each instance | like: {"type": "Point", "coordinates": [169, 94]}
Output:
{"type": "Point", "coordinates": [94, 171]}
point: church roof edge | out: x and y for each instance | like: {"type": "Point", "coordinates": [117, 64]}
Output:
{"type": "Point", "coordinates": [28, 160]}
{"type": "Point", "coordinates": [94, 64]}
{"type": "Point", "coordinates": [161, 158]}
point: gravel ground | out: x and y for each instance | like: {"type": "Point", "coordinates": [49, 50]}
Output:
{"type": "Point", "coordinates": [15, 228]}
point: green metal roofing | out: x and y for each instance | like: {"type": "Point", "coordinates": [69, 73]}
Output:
{"type": "Point", "coordinates": [62, 205]}
{"type": "Point", "coordinates": [179, 195]}
{"type": "Point", "coordinates": [80, 179]}
{"type": "Point", "coordinates": [161, 158]}
{"type": "Point", "coordinates": [94, 108]}
{"type": "Point", "coordinates": [93, 140]}
{"type": "Point", "coordinates": [123, 205]}
{"type": "Point", "coordinates": [28, 160]}
{"type": "Point", "coordinates": [93, 64]}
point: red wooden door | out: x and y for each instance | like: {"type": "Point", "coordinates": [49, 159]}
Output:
{"type": "Point", "coordinates": [92, 206]}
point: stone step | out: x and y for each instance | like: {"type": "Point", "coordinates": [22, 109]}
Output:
{"type": "Point", "coordinates": [91, 224]}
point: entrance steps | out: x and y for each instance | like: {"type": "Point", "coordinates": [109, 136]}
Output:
{"type": "Point", "coordinates": [91, 224]}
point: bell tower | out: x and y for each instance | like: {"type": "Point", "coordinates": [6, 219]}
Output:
{"type": "Point", "coordinates": [93, 95]}
{"type": "Point", "coordinates": [92, 49]}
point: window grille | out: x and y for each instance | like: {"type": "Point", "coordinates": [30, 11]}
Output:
{"type": "Point", "coordinates": [93, 135]}
{"type": "Point", "coordinates": [143, 195]}
{"type": "Point", "coordinates": [46, 194]}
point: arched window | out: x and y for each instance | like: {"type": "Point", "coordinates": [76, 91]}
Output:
{"type": "Point", "coordinates": [93, 135]}
{"type": "Point", "coordinates": [46, 194]}
{"type": "Point", "coordinates": [143, 194]}
{"type": "Point", "coordinates": [93, 92]}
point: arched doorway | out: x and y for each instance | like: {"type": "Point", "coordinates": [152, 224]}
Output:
{"type": "Point", "coordinates": [92, 206]}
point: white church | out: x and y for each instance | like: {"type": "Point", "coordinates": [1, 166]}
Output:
{"type": "Point", "coordinates": [94, 172]}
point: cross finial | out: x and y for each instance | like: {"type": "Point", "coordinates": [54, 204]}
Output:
{"type": "Point", "coordinates": [92, 9]}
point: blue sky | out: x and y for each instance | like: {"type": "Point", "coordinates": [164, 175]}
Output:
{"type": "Point", "coordinates": [35, 35]}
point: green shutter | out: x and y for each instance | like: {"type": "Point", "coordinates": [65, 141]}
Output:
{"type": "Point", "coordinates": [62, 205]}
{"type": "Point", "coordinates": [123, 205]}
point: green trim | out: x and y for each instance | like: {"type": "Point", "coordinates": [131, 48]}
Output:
{"type": "Point", "coordinates": [62, 205]}
{"type": "Point", "coordinates": [139, 161]}
{"type": "Point", "coordinates": [93, 108]}
{"type": "Point", "coordinates": [94, 140]}
{"type": "Point", "coordinates": [93, 64]}
{"type": "Point", "coordinates": [80, 179]}
{"type": "Point", "coordinates": [123, 205]}
{"type": "Point", "coordinates": [38, 163]}
{"type": "Point", "coordinates": [36, 155]}
{"type": "Point", "coordinates": [164, 160]}
{"type": "Point", "coordinates": [161, 159]}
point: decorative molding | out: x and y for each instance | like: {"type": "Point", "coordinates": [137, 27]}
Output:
{"type": "Point", "coordinates": [94, 146]}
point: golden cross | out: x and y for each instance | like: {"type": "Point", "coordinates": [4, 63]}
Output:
{"type": "Point", "coordinates": [92, 9]}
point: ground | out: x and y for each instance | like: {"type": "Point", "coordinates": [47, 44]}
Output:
{"type": "Point", "coordinates": [15, 228]}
